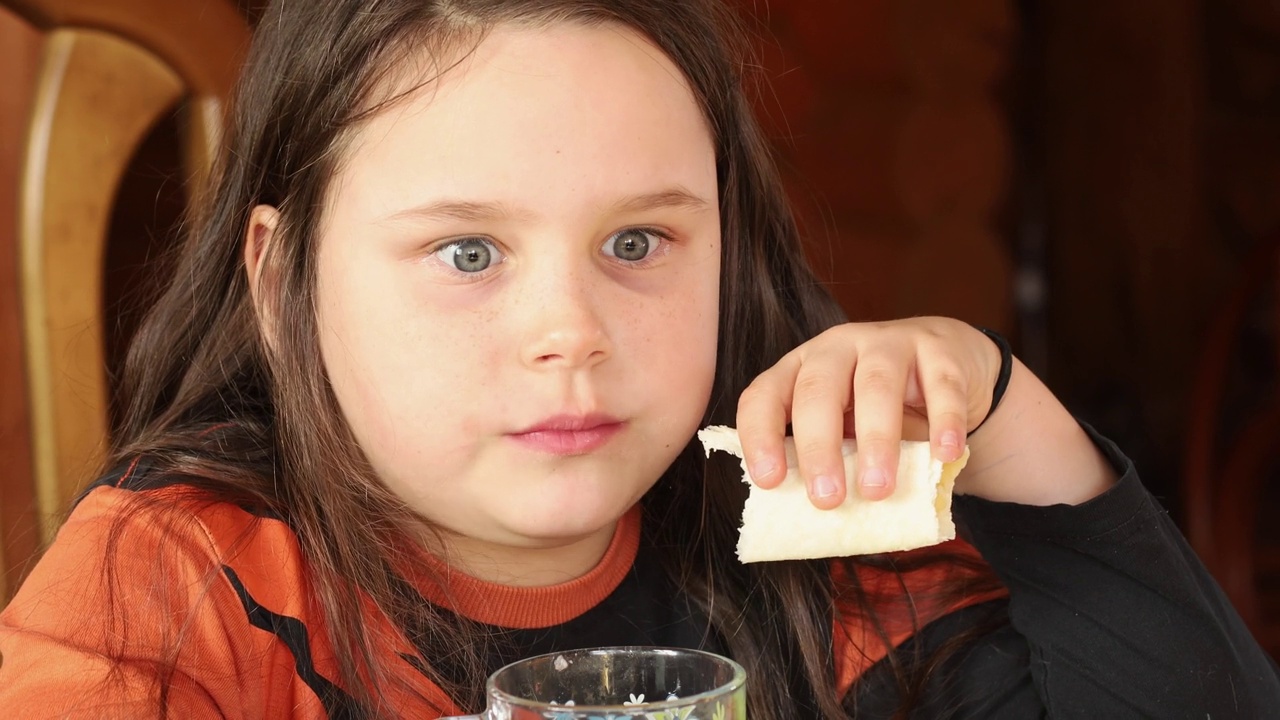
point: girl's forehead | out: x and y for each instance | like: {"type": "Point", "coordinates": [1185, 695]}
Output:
{"type": "Point", "coordinates": [507, 56]}
{"type": "Point", "coordinates": [563, 65]}
{"type": "Point", "coordinates": [565, 108]}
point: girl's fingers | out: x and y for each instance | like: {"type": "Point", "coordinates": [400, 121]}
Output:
{"type": "Point", "coordinates": [946, 396]}
{"type": "Point", "coordinates": [865, 379]}
{"type": "Point", "coordinates": [879, 389]}
{"type": "Point", "coordinates": [762, 422]}
{"type": "Point", "coordinates": [817, 421]}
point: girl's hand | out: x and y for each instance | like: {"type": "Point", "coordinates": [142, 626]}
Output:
{"type": "Point", "coordinates": [917, 378]}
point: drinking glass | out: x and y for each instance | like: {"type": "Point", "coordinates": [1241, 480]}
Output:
{"type": "Point", "coordinates": [618, 683]}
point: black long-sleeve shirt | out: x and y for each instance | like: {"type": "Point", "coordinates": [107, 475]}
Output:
{"type": "Point", "coordinates": [1110, 614]}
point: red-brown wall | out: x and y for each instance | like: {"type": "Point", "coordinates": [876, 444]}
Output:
{"type": "Point", "coordinates": [892, 135]}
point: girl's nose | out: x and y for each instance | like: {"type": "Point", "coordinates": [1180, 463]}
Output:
{"type": "Point", "coordinates": [564, 325]}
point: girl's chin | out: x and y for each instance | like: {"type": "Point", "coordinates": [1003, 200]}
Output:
{"type": "Point", "coordinates": [568, 524]}
{"type": "Point", "coordinates": [567, 509]}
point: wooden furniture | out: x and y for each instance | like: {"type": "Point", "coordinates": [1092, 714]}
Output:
{"type": "Point", "coordinates": [19, 535]}
{"type": "Point", "coordinates": [109, 69]}
{"type": "Point", "coordinates": [1226, 474]}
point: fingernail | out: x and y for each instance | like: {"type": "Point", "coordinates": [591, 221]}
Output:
{"type": "Point", "coordinates": [874, 478]}
{"type": "Point", "coordinates": [951, 440]}
{"type": "Point", "coordinates": [763, 469]}
{"type": "Point", "coordinates": [824, 486]}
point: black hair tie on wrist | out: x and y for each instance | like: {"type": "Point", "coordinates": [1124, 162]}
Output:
{"type": "Point", "coordinates": [1006, 369]}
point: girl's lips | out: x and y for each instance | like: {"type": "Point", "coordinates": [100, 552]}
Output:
{"type": "Point", "coordinates": [567, 442]}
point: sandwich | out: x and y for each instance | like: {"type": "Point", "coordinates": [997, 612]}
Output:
{"type": "Point", "coordinates": [783, 524]}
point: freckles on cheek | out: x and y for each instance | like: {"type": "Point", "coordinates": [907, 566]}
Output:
{"type": "Point", "coordinates": [457, 360]}
{"type": "Point", "coordinates": [687, 329]}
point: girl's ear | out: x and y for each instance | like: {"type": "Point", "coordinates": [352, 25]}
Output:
{"type": "Point", "coordinates": [263, 220]}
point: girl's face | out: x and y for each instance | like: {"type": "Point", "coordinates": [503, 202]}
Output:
{"type": "Point", "coordinates": [519, 272]}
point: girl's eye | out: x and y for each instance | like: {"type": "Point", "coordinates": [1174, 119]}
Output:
{"type": "Point", "coordinates": [469, 255]}
{"type": "Point", "coordinates": [632, 245]}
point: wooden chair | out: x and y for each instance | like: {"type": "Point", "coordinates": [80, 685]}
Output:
{"type": "Point", "coordinates": [1225, 479]}
{"type": "Point", "coordinates": [109, 69]}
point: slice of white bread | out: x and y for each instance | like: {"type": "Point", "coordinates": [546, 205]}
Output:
{"type": "Point", "coordinates": [782, 523]}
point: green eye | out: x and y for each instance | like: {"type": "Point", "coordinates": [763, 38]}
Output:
{"type": "Point", "coordinates": [470, 255]}
{"type": "Point", "coordinates": [631, 245]}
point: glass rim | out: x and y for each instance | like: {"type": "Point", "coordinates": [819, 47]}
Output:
{"type": "Point", "coordinates": [738, 680]}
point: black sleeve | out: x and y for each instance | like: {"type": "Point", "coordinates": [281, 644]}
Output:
{"type": "Point", "coordinates": [1110, 615]}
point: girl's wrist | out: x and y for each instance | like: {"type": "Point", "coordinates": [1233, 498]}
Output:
{"type": "Point", "coordinates": [1003, 364]}
{"type": "Point", "coordinates": [1032, 451]}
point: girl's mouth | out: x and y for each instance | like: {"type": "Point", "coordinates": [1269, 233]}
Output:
{"type": "Point", "coordinates": [568, 434]}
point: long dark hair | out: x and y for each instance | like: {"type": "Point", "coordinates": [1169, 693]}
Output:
{"type": "Point", "coordinates": [199, 360]}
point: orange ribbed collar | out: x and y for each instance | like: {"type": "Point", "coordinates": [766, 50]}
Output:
{"type": "Point", "coordinates": [534, 607]}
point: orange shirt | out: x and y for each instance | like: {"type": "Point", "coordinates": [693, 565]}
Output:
{"type": "Point", "coordinates": [233, 587]}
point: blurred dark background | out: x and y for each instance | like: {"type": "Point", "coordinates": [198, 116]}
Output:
{"type": "Point", "coordinates": [1099, 180]}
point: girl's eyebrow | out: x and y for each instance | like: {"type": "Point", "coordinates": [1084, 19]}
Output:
{"type": "Point", "coordinates": [449, 209]}
{"type": "Point", "coordinates": [475, 211]}
{"type": "Point", "coordinates": [676, 197]}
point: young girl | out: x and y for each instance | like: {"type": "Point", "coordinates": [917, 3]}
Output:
{"type": "Point", "coordinates": [421, 398]}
